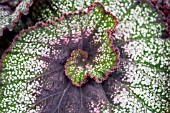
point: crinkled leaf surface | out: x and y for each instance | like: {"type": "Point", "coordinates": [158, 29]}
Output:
{"type": "Point", "coordinates": [76, 31]}
{"type": "Point", "coordinates": [96, 57]}
{"type": "Point", "coordinates": [139, 85]}
{"type": "Point", "coordinates": [8, 17]}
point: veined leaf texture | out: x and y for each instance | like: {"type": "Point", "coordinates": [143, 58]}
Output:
{"type": "Point", "coordinates": [88, 56]}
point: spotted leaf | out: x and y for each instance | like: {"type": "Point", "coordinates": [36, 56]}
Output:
{"type": "Point", "coordinates": [10, 16]}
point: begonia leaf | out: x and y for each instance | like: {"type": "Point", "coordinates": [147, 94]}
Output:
{"type": "Point", "coordinates": [9, 16]}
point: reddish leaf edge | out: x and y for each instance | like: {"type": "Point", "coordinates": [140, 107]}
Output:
{"type": "Point", "coordinates": [16, 19]}
{"type": "Point", "coordinates": [110, 32]}
{"type": "Point", "coordinates": [90, 8]}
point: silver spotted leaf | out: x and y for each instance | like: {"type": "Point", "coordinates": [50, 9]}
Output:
{"type": "Point", "coordinates": [45, 81]}
{"type": "Point", "coordinates": [33, 77]}
{"type": "Point", "coordinates": [9, 16]}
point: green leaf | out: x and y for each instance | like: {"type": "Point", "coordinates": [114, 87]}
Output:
{"type": "Point", "coordinates": [33, 70]}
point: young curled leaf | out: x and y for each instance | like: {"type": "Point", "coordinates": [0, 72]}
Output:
{"type": "Point", "coordinates": [95, 56]}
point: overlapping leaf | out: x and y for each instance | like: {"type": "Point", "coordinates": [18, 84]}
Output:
{"type": "Point", "coordinates": [12, 3]}
{"type": "Point", "coordinates": [140, 84]}
{"type": "Point", "coordinates": [10, 16]}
